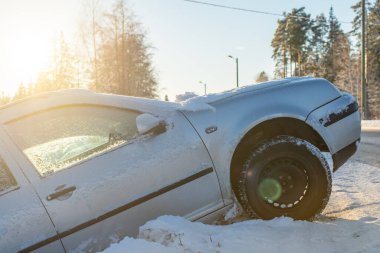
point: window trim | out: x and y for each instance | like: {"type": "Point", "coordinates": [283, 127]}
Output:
{"type": "Point", "coordinates": [65, 106]}
{"type": "Point", "coordinates": [10, 189]}
{"type": "Point", "coordinates": [14, 187]}
{"type": "Point", "coordinates": [34, 169]}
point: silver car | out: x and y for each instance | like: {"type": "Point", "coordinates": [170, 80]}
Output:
{"type": "Point", "coordinates": [80, 170]}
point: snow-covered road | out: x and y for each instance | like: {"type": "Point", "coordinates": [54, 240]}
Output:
{"type": "Point", "coordinates": [350, 222]}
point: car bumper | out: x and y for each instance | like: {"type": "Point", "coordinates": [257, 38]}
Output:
{"type": "Point", "coordinates": [340, 157]}
{"type": "Point", "coordinates": [338, 122]}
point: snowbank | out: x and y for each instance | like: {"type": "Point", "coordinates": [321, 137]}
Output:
{"type": "Point", "coordinates": [138, 245]}
{"type": "Point", "coordinates": [370, 124]}
{"type": "Point", "coordinates": [264, 236]}
{"type": "Point", "coordinates": [182, 97]}
{"type": "Point", "coordinates": [176, 234]}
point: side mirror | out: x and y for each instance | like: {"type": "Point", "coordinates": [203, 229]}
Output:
{"type": "Point", "coordinates": [147, 123]}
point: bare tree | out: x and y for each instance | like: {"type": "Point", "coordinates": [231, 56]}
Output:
{"type": "Point", "coordinates": [124, 60]}
{"type": "Point", "coordinates": [90, 29]}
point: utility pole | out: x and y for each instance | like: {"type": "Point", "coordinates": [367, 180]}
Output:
{"type": "Point", "coordinates": [237, 69]}
{"type": "Point", "coordinates": [363, 67]}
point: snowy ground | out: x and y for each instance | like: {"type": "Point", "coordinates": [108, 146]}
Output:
{"type": "Point", "coordinates": [371, 124]}
{"type": "Point", "coordinates": [350, 223]}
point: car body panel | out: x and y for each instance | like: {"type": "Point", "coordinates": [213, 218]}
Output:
{"type": "Point", "coordinates": [235, 115]}
{"type": "Point", "coordinates": [182, 171]}
{"type": "Point", "coordinates": [23, 216]}
{"type": "Point", "coordinates": [105, 183]}
{"type": "Point", "coordinates": [341, 133]}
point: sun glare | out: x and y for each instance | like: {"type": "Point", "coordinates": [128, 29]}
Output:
{"type": "Point", "coordinates": [28, 52]}
{"type": "Point", "coordinates": [29, 30]}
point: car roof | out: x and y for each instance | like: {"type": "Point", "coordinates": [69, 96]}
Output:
{"type": "Point", "coordinates": [77, 96]}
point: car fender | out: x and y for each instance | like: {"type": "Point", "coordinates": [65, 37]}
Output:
{"type": "Point", "coordinates": [235, 116]}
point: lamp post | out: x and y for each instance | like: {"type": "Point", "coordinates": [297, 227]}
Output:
{"type": "Point", "coordinates": [205, 85]}
{"type": "Point", "coordinates": [237, 69]}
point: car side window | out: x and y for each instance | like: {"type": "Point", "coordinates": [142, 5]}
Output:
{"type": "Point", "coordinates": [7, 180]}
{"type": "Point", "coordinates": [61, 137]}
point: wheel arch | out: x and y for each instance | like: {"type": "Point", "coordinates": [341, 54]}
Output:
{"type": "Point", "coordinates": [268, 129]}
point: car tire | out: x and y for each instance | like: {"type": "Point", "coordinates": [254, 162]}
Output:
{"type": "Point", "coordinates": [284, 176]}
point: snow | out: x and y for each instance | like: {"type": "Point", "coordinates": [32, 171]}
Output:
{"type": "Point", "coordinates": [195, 105]}
{"type": "Point", "coordinates": [146, 122]}
{"type": "Point", "coordinates": [139, 245]}
{"type": "Point", "coordinates": [350, 223]}
{"type": "Point", "coordinates": [232, 213]}
{"type": "Point", "coordinates": [264, 236]}
{"type": "Point", "coordinates": [371, 124]}
{"type": "Point", "coordinates": [185, 96]}
{"type": "Point", "coordinates": [201, 103]}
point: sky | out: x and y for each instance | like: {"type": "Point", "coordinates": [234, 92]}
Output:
{"type": "Point", "coordinates": [190, 42]}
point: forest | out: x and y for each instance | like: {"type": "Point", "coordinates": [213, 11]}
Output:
{"type": "Point", "coordinates": [306, 46]}
{"type": "Point", "coordinates": [112, 55]}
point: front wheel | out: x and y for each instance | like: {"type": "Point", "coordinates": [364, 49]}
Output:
{"type": "Point", "coordinates": [285, 176]}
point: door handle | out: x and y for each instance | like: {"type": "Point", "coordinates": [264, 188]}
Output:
{"type": "Point", "coordinates": [61, 193]}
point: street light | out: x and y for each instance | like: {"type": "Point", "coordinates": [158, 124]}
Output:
{"type": "Point", "coordinates": [237, 69]}
{"type": "Point", "coordinates": [204, 85]}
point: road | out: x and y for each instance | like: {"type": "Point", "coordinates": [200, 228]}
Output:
{"type": "Point", "coordinates": [369, 148]}
{"type": "Point", "coordinates": [356, 185]}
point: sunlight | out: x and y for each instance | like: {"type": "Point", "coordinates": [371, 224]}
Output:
{"type": "Point", "coordinates": [28, 52]}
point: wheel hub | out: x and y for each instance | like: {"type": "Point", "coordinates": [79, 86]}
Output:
{"type": "Point", "coordinates": [283, 182]}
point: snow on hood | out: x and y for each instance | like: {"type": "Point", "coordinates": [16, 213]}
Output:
{"type": "Point", "coordinates": [201, 103]}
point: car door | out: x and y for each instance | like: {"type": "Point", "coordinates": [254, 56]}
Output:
{"type": "Point", "coordinates": [100, 180]}
{"type": "Point", "coordinates": [24, 223]}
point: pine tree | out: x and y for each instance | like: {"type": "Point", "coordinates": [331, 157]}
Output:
{"type": "Point", "coordinates": [4, 99]}
{"type": "Point", "coordinates": [356, 22]}
{"type": "Point", "coordinates": [62, 72]}
{"type": "Point", "coordinates": [342, 51]}
{"type": "Point", "coordinates": [20, 93]}
{"type": "Point", "coordinates": [280, 49]}
{"type": "Point", "coordinates": [317, 46]}
{"type": "Point", "coordinates": [373, 60]}
{"type": "Point", "coordinates": [332, 64]}
{"type": "Point", "coordinates": [90, 32]}
{"type": "Point", "coordinates": [64, 69]}
{"type": "Point", "coordinates": [289, 42]}
{"type": "Point", "coordinates": [298, 25]}
{"type": "Point", "coordinates": [124, 59]}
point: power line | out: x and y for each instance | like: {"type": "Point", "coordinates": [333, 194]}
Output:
{"type": "Point", "coordinates": [250, 10]}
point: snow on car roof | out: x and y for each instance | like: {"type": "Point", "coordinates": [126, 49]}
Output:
{"type": "Point", "coordinates": [199, 103]}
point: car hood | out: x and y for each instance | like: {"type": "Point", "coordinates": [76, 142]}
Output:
{"type": "Point", "coordinates": [205, 102]}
